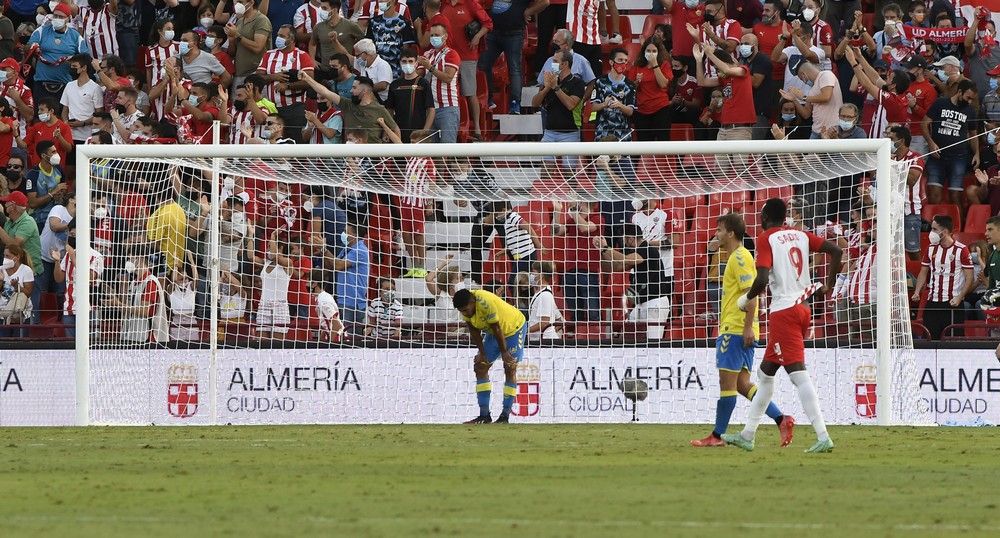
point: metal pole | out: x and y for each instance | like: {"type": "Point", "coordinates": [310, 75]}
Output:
{"type": "Point", "coordinates": [883, 272]}
{"type": "Point", "coordinates": [81, 287]}
{"type": "Point", "coordinates": [214, 248]}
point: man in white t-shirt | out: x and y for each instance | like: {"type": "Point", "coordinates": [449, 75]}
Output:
{"type": "Point", "coordinates": [368, 63]}
{"type": "Point", "coordinates": [544, 316]}
{"type": "Point", "coordinates": [53, 239]}
{"type": "Point", "coordinates": [81, 98]}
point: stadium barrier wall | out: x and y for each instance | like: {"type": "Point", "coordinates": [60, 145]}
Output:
{"type": "Point", "coordinates": [347, 386]}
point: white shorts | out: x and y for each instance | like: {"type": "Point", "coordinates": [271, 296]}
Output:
{"type": "Point", "coordinates": [273, 316]}
{"type": "Point", "coordinates": [654, 312]}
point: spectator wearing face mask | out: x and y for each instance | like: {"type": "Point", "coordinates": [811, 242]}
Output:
{"type": "Point", "coordinates": [614, 100]}
{"type": "Point", "coordinates": [823, 99]}
{"type": "Point", "coordinates": [384, 314]}
{"type": "Point", "coordinates": [333, 35]}
{"type": "Point", "coordinates": [893, 106]}
{"type": "Point", "coordinates": [761, 73]}
{"type": "Point", "coordinates": [947, 272]}
{"type": "Point", "coordinates": [544, 317]}
{"type": "Point", "coordinates": [56, 43]}
{"type": "Point", "coordinates": [411, 98]}
{"type": "Point", "coordinates": [46, 182]}
{"type": "Point", "coordinates": [362, 112]}
{"type": "Point", "coordinates": [950, 130]}
{"type": "Point", "coordinates": [199, 66]}
{"type": "Point", "coordinates": [81, 99]}
{"type": "Point", "coordinates": [249, 38]}
{"type": "Point", "coordinates": [284, 67]}
{"type": "Point", "coordinates": [16, 93]}
{"type": "Point", "coordinates": [652, 74]}
{"type": "Point", "coordinates": [981, 49]}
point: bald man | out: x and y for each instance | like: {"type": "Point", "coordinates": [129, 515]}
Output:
{"type": "Point", "coordinates": [762, 76]}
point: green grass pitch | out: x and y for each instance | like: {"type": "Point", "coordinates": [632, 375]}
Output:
{"type": "Point", "coordinates": [590, 480]}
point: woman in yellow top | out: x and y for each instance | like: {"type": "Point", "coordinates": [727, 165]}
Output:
{"type": "Point", "coordinates": [499, 331]}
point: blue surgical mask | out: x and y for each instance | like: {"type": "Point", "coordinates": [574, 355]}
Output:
{"type": "Point", "coordinates": [745, 50]}
{"type": "Point", "coordinates": [185, 47]}
{"type": "Point", "coordinates": [942, 75]}
{"type": "Point", "coordinates": [846, 125]}
{"type": "Point", "coordinates": [554, 67]}
{"type": "Point", "coordinates": [991, 138]}
{"type": "Point", "coordinates": [193, 99]}
{"type": "Point", "coordinates": [3, 75]}
{"type": "Point", "coordinates": [343, 238]}
{"type": "Point", "coordinates": [994, 83]}
{"type": "Point", "coordinates": [788, 117]}
{"type": "Point", "coordinates": [279, 42]}
{"type": "Point", "coordinates": [691, 4]}
{"type": "Point", "coordinates": [437, 41]}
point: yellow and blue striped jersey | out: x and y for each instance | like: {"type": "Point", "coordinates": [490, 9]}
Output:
{"type": "Point", "coordinates": [491, 309]}
{"type": "Point", "coordinates": [739, 276]}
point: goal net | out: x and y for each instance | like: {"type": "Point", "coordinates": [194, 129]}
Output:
{"type": "Point", "coordinates": [314, 284]}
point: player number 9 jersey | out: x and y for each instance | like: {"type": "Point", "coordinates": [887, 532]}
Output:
{"type": "Point", "coordinates": [785, 253]}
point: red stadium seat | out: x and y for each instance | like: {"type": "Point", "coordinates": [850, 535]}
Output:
{"type": "Point", "coordinates": [732, 200]}
{"type": "Point", "coordinates": [968, 238]}
{"type": "Point", "coordinates": [634, 50]}
{"type": "Point", "coordinates": [649, 26]}
{"type": "Point", "coordinates": [684, 206]}
{"type": "Point", "coordinates": [681, 132]}
{"type": "Point", "coordinates": [774, 192]}
{"type": "Point", "coordinates": [975, 219]}
{"type": "Point", "coordinates": [951, 210]}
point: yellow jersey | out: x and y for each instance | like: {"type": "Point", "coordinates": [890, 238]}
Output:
{"type": "Point", "coordinates": [739, 276]}
{"type": "Point", "coordinates": [491, 309]}
{"type": "Point", "coordinates": [167, 227]}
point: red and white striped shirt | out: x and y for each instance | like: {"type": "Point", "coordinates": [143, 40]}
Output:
{"type": "Point", "coordinates": [317, 137]}
{"type": "Point", "coordinates": [915, 194]}
{"type": "Point", "coordinates": [730, 30]}
{"type": "Point", "coordinates": [444, 93]}
{"type": "Point", "coordinates": [371, 9]}
{"type": "Point", "coordinates": [237, 121]}
{"type": "Point", "coordinates": [417, 179]}
{"type": "Point", "coordinates": [19, 87]}
{"type": "Point", "coordinates": [69, 267]}
{"type": "Point", "coordinates": [156, 61]}
{"type": "Point", "coordinates": [277, 61]}
{"type": "Point", "coordinates": [581, 21]}
{"type": "Point", "coordinates": [861, 286]}
{"type": "Point", "coordinates": [947, 275]}
{"type": "Point", "coordinates": [98, 28]}
{"type": "Point", "coordinates": [306, 17]}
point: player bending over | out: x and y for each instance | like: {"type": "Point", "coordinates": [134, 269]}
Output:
{"type": "Point", "coordinates": [783, 265]}
{"type": "Point", "coordinates": [498, 330]}
{"type": "Point", "coordinates": [738, 331]}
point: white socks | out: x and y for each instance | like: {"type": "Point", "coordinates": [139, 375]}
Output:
{"type": "Point", "coordinates": [810, 402]}
{"type": "Point", "coordinates": [765, 389]}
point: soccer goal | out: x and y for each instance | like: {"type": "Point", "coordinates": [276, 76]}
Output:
{"type": "Point", "coordinates": [313, 284]}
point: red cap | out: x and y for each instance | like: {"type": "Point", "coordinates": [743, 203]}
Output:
{"type": "Point", "coordinates": [65, 10]}
{"type": "Point", "coordinates": [16, 197]}
{"type": "Point", "coordinates": [995, 72]}
{"type": "Point", "coordinates": [10, 63]}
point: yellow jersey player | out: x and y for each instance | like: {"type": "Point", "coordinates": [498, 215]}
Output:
{"type": "Point", "coordinates": [738, 332]}
{"type": "Point", "coordinates": [498, 330]}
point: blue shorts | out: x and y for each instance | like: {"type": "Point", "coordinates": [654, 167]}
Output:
{"type": "Point", "coordinates": [947, 171]}
{"type": "Point", "coordinates": [731, 355]}
{"type": "Point", "coordinates": [515, 344]}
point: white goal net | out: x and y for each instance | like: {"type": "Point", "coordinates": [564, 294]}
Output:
{"type": "Point", "coordinates": [314, 284]}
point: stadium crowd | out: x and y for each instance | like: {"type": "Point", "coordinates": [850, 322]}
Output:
{"type": "Point", "coordinates": [304, 262]}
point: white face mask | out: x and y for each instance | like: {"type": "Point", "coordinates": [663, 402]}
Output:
{"type": "Point", "coordinates": [239, 218]}
{"type": "Point", "coordinates": [324, 15]}
{"type": "Point", "coordinates": [100, 213]}
{"type": "Point", "coordinates": [39, 19]}
{"type": "Point", "coordinates": [651, 57]}
{"type": "Point", "coordinates": [308, 206]}
{"type": "Point", "coordinates": [130, 267]}
{"type": "Point", "coordinates": [934, 237]}
{"type": "Point", "coordinates": [55, 159]}
{"type": "Point", "coordinates": [58, 23]}
{"type": "Point", "coordinates": [206, 22]}
{"type": "Point", "coordinates": [789, 221]}
{"type": "Point", "coordinates": [408, 69]}
{"type": "Point", "coordinates": [43, 117]}
{"type": "Point", "coordinates": [168, 35]}
{"type": "Point", "coordinates": [459, 286]}
{"type": "Point", "coordinates": [7, 264]}
{"type": "Point", "coordinates": [228, 183]}
{"type": "Point", "coordinates": [533, 279]}
{"type": "Point", "coordinates": [239, 9]}
{"type": "Point", "coordinates": [808, 14]}
{"type": "Point", "coordinates": [210, 42]}
{"type": "Point", "coordinates": [554, 67]}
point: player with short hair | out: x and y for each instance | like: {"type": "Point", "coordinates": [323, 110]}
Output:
{"type": "Point", "coordinates": [783, 267]}
{"type": "Point", "coordinates": [498, 330]}
{"type": "Point", "coordinates": [738, 331]}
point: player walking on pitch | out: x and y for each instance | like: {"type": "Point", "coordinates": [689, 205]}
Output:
{"type": "Point", "coordinates": [738, 331]}
{"type": "Point", "coordinates": [499, 331]}
{"type": "Point", "coordinates": [783, 266]}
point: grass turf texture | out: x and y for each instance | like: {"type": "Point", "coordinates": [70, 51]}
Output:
{"type": "Point", "coordinates": [591, 480]}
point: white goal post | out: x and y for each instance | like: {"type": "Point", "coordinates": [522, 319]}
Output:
{"type": "Point", "coordinates": [831, 157]}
